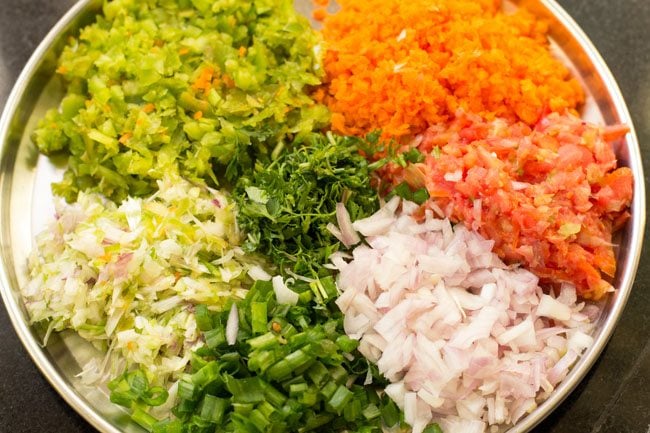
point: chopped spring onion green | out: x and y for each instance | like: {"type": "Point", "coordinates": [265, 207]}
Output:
{"type": "Point", "coordinates": [292, 369]}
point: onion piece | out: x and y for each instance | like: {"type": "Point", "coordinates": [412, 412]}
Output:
{"type": "Point", "coordinates": [549, 307]}
{"type": "Point", "coordinates": [465, 340]}
{"type": "Point", "coordinates": [349, 237]}
{"type": "Point", "coordinates": [232, 326]}
{"type": "Point", "coordinates": [283, 294]}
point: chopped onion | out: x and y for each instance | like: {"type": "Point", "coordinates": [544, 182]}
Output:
{"type": "Point", "coordinates": [455, 176]}
{"type": "Point", "coordinates": [232, 326]}
{"type": "Point", "coordinates": [348, 236]}
{"type": "Point", "coordinates": [284, 294]}
{"type": "Point", "coordinates": [549, 307]}
{"type": "Point", "coordinates": [465, 340]}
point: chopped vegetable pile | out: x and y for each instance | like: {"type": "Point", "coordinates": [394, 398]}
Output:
{"type": "Point", "coordinates": [192, 87]}
{"type": "Point", "coordinates": [286, 207]}
{"type": "Point", "coordinates": [286, 369]}
{"type": "Point", "coordinates": [412, 64]}
{"type": "Point", "coordinates": [246, 260]}
{"type": "Point", "coordinates": [551, 196]}
{"type": "Point", "coordinates": [465, 340]}
{"type": "Point", "coordinates": [127, 278]}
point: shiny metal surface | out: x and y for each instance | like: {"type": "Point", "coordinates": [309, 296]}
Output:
{"type": "Point", "coordinates": [20, 171]}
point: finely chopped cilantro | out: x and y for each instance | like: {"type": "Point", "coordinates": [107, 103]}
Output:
{"type": "Point", "coordinates": [285, 207]}
{"type": "Point", "coordinates": [202, 88]}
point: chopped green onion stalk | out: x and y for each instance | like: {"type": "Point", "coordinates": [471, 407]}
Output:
{"type": "Point", "coordinates": [286, 373]}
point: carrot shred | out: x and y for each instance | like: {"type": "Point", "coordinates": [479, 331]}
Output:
{"type": "Point", "coordinates": [228, 81]}
{"type": "Point", "coordinates": [319, 14]}
{"type": "Point", "coordinates": [413, 63]}
{"type": "Point", "coordinates": [125, 137]}
{"type": "Point", "coordinates": [204, 81]}
{"type": "Point", "coordinates": [198, 115]}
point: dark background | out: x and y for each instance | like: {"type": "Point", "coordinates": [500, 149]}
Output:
{"type": "Point", "coordinates": [615, 395]}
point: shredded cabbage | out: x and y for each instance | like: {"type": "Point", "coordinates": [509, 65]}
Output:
{"type": "Point", "coordinates": [126, 278]}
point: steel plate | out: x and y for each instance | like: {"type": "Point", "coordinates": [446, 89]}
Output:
{"type": "Point", "coordinates": [25, 204]}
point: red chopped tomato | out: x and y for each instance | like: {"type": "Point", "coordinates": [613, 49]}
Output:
{"type": "Point", "coordinates": [550, 196]}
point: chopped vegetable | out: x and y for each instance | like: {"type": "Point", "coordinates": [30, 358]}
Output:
{"type": "Point", "coordinates": [466, 341]}
{"type": "Point", "coordinates": [285, 207]}
{"type": "Point", "coordinates": [550, 196]}
{"type": "Point", "coordinates": [127, 278]}
{"type": "Point", "coordinates": [298, 373]}
{"type": "Point", "coordinates": [194, 87]}
{"type": "Point", "coordinates": [413, 64]}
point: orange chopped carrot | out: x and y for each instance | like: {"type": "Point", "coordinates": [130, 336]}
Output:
{"type": "Point", "coordinates": [183, 51]}
{"type": "Point", "coordinates": [125, 137]}
{"type": "Point", "coordinates": [323, 3]}
{"type": "Point", "coordinates": [198, 115]}
{"type": "Point", "coordinates": [204, 80]}
{"type": "Point", "coordinates": [413, 63]}
{"type": "Point", "coordinates": [62, 70]}
{"type": "Point", "coordinates": [149, 108]}
{"type": "Point", "coordinates": [228, 81]}
{"type": "Point", "coordinates": [319, 14]}
{"type": "Point", "coordinates": [242, 51]}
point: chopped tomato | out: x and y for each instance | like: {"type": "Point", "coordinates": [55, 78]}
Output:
{"type": "Point", "coordinates": [550, 196]}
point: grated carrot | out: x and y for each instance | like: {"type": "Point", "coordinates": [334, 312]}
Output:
{"type": "Point", "coordinates": [228, 81]}
{"type": "Point", "coordinates": [319, 14]}
{"type": "Point", "coordinates": [149, 108]}
{"type": "Point", "coordinates": [125, 137]}
{"type": "Point", "coordinates": [204, 80]}
{"type": "Point", "coordinates": [414, 64]}
{"type": "Point", "coordinates": [198, 115]}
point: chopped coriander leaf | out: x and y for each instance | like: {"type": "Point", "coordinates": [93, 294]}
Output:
{"type": "Point", "coordinates": [404, 190]}
{"type": "Point", "coordinates": [285, 206]}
